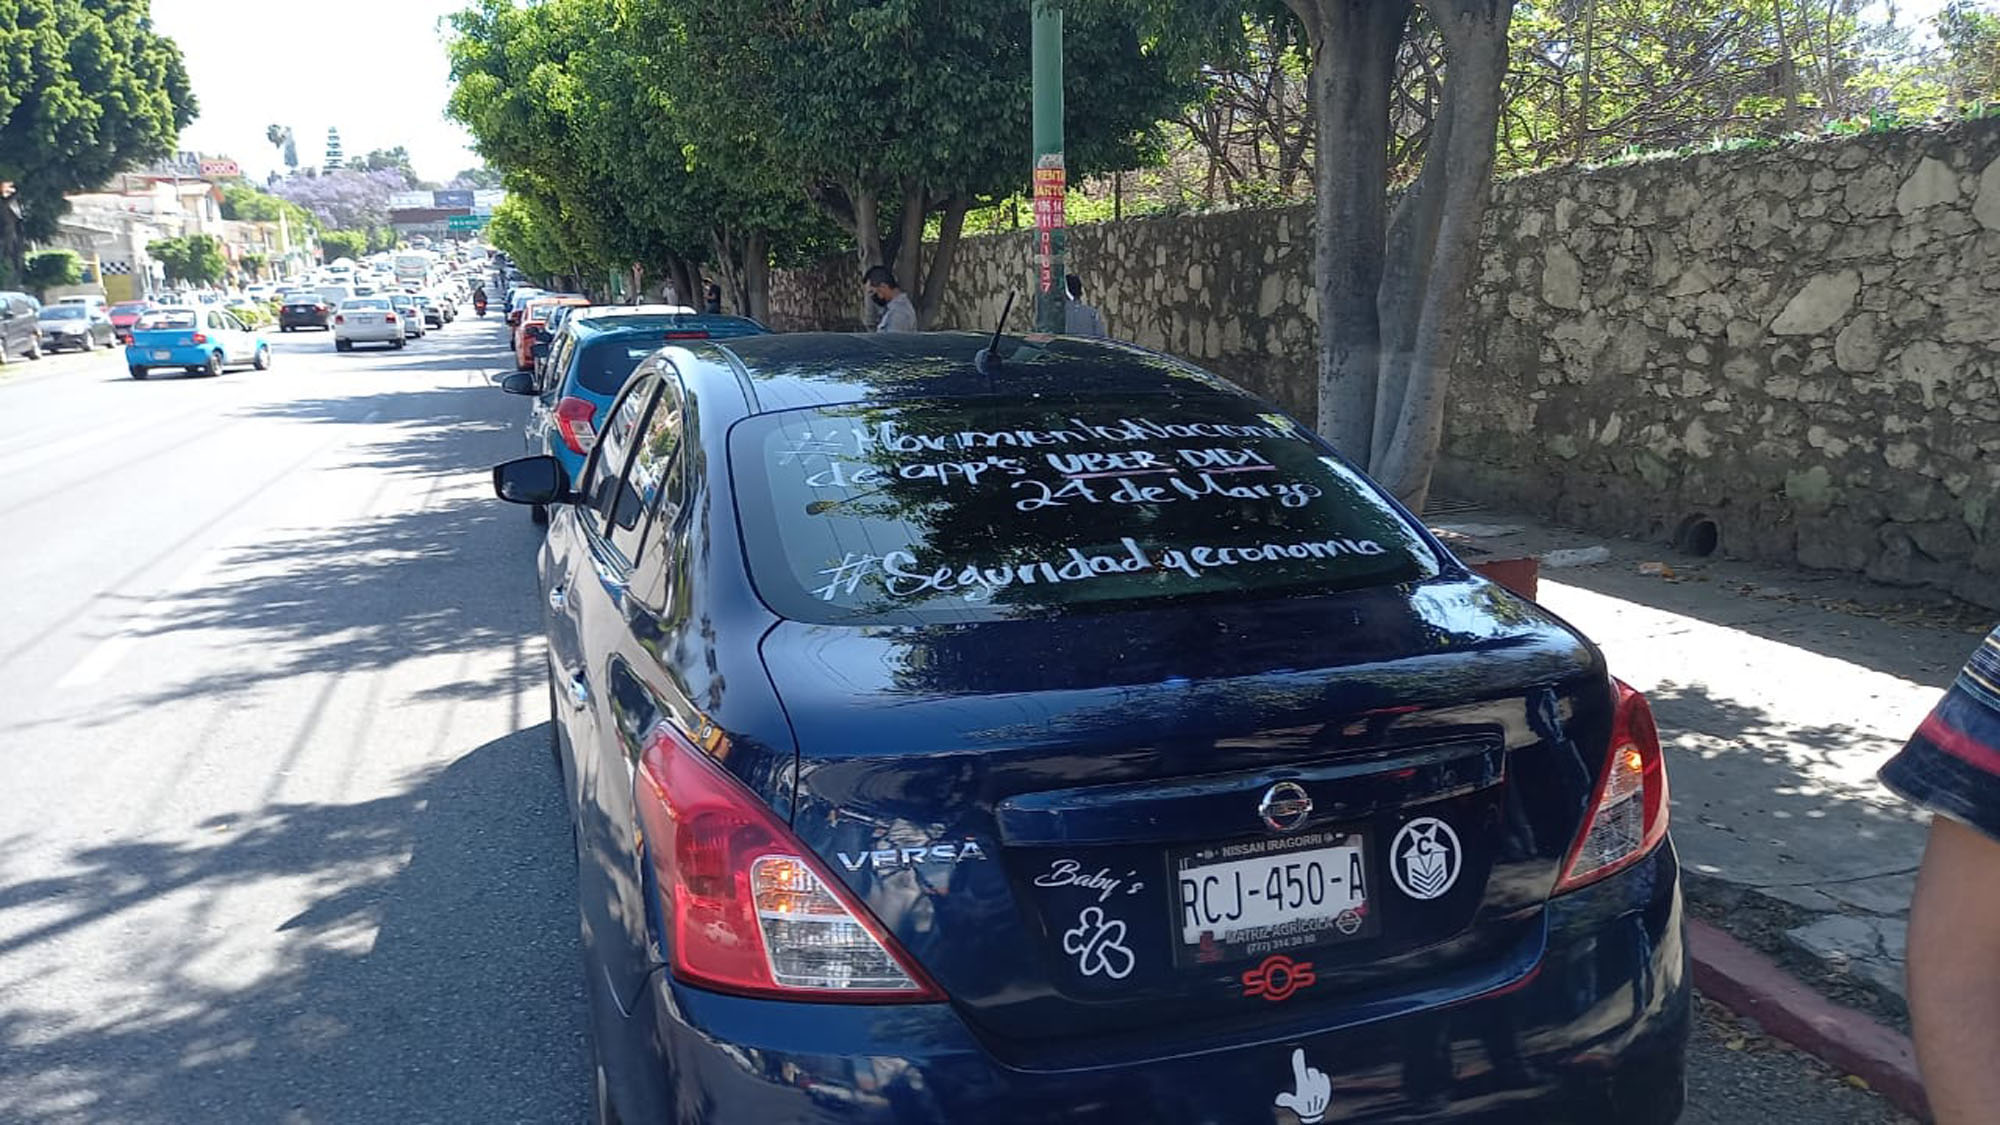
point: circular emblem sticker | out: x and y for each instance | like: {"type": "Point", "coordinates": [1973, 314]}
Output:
{"type": "Point", "coordinates": [1425, 858]}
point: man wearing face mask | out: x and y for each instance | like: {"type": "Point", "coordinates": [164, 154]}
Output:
{"type": "Point", "coordinates": [898, 314]}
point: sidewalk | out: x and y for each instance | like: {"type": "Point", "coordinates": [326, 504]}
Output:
{"type": "Point", "coordinates": [1778, 696]}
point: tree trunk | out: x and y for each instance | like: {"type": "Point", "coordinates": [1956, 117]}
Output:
{"type": "Point", "coordinates": [1475, 35]}
{"type": "Point", "coordinates": [951, 225]}
{"type": "Point", "coordinates": [910, 239]}
{"type": "Point", "coordinates": [757, 276]}
{"type": "Point", "coordinates": [1788, 67]}
{"type": "Point", "coordinates": [867, 243]}
{"type": "Point", "coordinates": [1354, 45]}
{"type": "Point", "coordinates": [1410, 253]}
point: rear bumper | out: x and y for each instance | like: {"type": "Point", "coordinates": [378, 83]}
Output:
{"type": "Point", "coordinates": [1596, 1032]}
{"type": "Point", "coordinates": [369, 334]}
{"type": "Point", "coordinates": [139, 355]}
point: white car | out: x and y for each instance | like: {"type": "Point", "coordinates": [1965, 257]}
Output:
{"type": "Point", "coordinates": [366, 320]}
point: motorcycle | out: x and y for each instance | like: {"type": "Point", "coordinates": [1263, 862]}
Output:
{"type": "Point", "coordinates": [479, 304]}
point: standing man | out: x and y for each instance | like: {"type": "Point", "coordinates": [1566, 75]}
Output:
{"type": "Point", "coordinates": [898, 314]}
{"type": "Point", "coordinates": [1080, 319]}
{"type": "Point", "coordinates": [1951, 766]}
{"type": "Point", "coordinates": [712, 298]}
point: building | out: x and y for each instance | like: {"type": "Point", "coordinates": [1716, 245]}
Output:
{"type": "Point", "coordinates": [335, 159]}
{"type": "Point", "coordinates": [431, 213]}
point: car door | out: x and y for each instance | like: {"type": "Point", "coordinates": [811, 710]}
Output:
{"type": "Point", "coordinates": [619, 612]}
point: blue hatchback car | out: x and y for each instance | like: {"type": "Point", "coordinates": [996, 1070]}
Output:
{"type": "Point", "coordinates": [1070, 736]}
{"type": "Point", "coordinates": [591, 362]}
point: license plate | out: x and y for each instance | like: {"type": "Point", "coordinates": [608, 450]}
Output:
{"type": "Point", "coordinates": [1255, 897]}
{"type": "Point", "coordinates": [163, 355]}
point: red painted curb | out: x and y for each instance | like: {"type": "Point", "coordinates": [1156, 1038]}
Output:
{"type": "Point", "coordinates": [1754, 987]}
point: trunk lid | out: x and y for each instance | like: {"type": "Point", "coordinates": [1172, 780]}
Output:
{"type": "Point", "coordinates": [1068, 820]}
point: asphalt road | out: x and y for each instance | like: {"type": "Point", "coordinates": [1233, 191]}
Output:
{"type": "Point", "coordinates": [279, 838]}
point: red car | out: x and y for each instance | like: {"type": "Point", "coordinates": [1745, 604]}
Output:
{"type": "Point", "coordinates": [124, 313]}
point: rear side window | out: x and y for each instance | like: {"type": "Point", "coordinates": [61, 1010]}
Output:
{"type": "Point", "coordinates": [603, 367]}
{"type": "Point", "coordinates": [976, 509]}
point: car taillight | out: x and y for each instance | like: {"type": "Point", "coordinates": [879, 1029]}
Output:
{"type": "Point", "coordinates": [200, 338]}
{"type": "Point", "coordinates": [687, 336]}
{"type": "Point", "coordinates": [1628, 812]}
{"type": "Point", "coordinates": [742, 904]}
{"type": "Point", "coordinates": [389, 318]}
{"type": "Point", "coordinates": [340, 320]}
{"type": "Point", "coordinates": [573, 421]}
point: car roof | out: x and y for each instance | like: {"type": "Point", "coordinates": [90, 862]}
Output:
{"type": "Point", "coordinates": [791, 370]}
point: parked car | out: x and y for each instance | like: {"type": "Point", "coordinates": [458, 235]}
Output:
{"type": "Point", "coordinates": [957, 740]}
{"type": "Point", "coordinates": [412, 316]}
{"type": "Point", "coordinates": [203, 341]}
{"type": "Point", "coordinates": [124, 314]}
{"type": "Point", "coordinates": [534, 324]}
{"type": "Point", "coordinates": [305, 310]}
{"type": "Point", "coordinates": [367, 320]}
{"type": "Point", "coordinates": [86, 300]}
{"type": "Point", "coordinates": [80, 327]}
{"type": "Point", "coordinates": [518, 297]}
{"type": "Point", "coordinates": [20, 334]}
{"type": "Point", "coordinates": [596, 356]}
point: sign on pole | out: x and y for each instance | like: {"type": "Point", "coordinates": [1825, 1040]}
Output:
{"type": "Point", "coordinates": [1050, 189]}
{"type": "Point", "coordinates": [465, 222]}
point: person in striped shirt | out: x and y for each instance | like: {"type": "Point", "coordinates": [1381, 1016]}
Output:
{"type": "Point", "coordinates": [1951, 766]}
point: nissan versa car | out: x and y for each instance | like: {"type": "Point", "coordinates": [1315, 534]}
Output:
{"type": "Point", "coordinates": [1066, 735]}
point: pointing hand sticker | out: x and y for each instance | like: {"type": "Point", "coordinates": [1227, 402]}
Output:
{"type": "Point", "coordinates": [1311, 1090]}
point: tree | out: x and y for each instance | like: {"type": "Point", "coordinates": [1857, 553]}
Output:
{"type": "Point", "coordinates": [395, 160]}
{"type": "Point", "coordinates": [1392, 286]}
{"type": "Point", "coordinates": [1969, 32]}
{"type": "Point", "coordinates": [47, 269]}
{"type": "Point", "coordinates": [195, 258]}
{"type": "Point", "coordinates": [346, 199]}
{"type": "Point", "coordinates": [892, 115]}
{"type": "Point", "coordinates": [87, 89]}
{"type": "Point", "coordinates": [480, 178]}
{"type": "Point", "coordinates": [253, 265]}
{"type": "Point", "coordinates": [337, 244]}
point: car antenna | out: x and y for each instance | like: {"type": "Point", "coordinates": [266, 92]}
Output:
{"type": "Point", "coordinates": [988, 359]}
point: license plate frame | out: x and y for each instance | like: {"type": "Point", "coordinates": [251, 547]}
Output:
{"type": "Point", "coordinates": [1356, 919]}
{"type": "Point", "coordinates": [162, 353]}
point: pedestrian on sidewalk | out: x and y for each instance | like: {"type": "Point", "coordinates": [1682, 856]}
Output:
{"type": "Point", "coordinates": [898, 314]}
{"type": "Point", "coordinates": [1951, 766]}
{"type": "Point", "coordinates": [712, 298]}
{"type": "Point", "coordinates": [1080, 319]}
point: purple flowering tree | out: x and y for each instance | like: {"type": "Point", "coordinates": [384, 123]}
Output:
{"type": "Point", "coordinates": [345, 200]}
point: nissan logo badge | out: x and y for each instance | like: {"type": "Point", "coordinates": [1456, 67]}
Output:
{"type": "Point", "coordinates": [1285, 806]}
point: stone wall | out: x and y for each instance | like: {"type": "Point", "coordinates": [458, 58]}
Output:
{"type": "Point", "coordinates": [1793, 351]}
{"type": "Point", "coordinates": [1787, 354]}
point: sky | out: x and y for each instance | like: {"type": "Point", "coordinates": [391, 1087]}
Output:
{"type": "Point", "coordinates": [373, 68]}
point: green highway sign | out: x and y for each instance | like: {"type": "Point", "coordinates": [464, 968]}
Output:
{"type": "Point", "coordinates": [465, 222]}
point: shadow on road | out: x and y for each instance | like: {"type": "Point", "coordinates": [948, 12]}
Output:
{"type": "Point", "coordinates": [465, 1005]}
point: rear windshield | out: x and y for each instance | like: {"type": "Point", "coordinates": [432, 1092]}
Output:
{"type": "Point", "coordinates": [365, 303]}
{"type": "Point", "coordinates": [129, 307]}
{"type": "Point", "coordinates": [602, 368]}
{"type": "Point", "coordinates": [167, 318]}
{"type": "Point", "coordinates": [969, 509]}
{"type": "Point", "coordinates": [64, 312]}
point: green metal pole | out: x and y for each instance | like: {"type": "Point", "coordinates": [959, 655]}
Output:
{"type": "Point", "coordinates": [1050, 179]}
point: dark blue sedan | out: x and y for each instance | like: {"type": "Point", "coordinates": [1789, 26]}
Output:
{"type": "Point", "coordinates": [1070, 736]}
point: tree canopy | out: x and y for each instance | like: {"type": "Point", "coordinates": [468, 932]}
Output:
{"type": "Point", "coordinates": [195, 258]}
{"type": "Point", "coordinates": [87, 89]}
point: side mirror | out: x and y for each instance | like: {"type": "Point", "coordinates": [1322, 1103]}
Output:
{"type": "Point", "coordinates": [532, 480]}
{"type": "Point", "coordinates": [519, 383]}
{"type": "Point", "coordinates": [541, 351]}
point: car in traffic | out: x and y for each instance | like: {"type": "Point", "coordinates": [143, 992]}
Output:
{"type": "Point", "coordinates": [431, 308]}
{"type": "Point", "coordinates": [517, 298]}
{"type": "Point", "coordinates": [20, 334]}
{"type": "Point", "coordinates": [305, 309]}
{"type": "Point", "coordinates": [201, 341]}
{"type": "Point", "coordinates": [592, 361]}
{"type": "Point", "coordinates": [1057, 732]}
{"type": "Point", "coordinates": [126, 313]}
{"type": "Point", "coordinates": [412, 316]}
{"type": "Point", "coordinates": [78, 327]}
{"type": "Point", "coordinates": [367, 320]}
